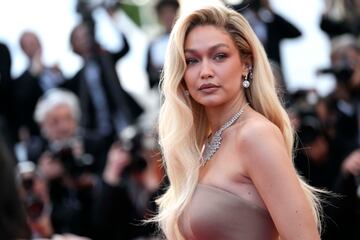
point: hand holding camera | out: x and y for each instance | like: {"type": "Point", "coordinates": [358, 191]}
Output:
{"type": "Point", "coordinates": [351, 165]}
{"type": "Point", "coordinates": [118, 159]}
{"type": "Point", "coordinates": [50, 168]}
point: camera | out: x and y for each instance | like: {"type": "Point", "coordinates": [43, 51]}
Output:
{"type": "Point", "coordinates": [71, 155]}
{"type": "Point", "coordinates": [33, 204]}
{"type": "Point", "coordinates": [342, 74]}
{"type": "Point", "coordinates": [342, 70]}
{"type": "Point", "coordinates": [131, 139]}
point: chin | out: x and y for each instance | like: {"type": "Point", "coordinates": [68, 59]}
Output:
{"type": "Point", "coordinates": [211, 103]}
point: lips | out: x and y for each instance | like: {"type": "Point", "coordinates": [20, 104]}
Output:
{"type": "Point", "coordinates": [208, 86]}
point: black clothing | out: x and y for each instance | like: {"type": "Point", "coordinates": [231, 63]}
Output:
{"type": "Point", "coordinates": [336, 28]}
{"type": "Point", "coordinates": [116, 215]}
{"type": "Point", "coordinates": [5, 77]}
{"type": "Point", "coordinates": [71, 209]}
{"type": "Point", "coordinates": [6, 105]}
{"type": "Point", "coordinates": [13, 224]}
{"type": "Point", "coordinates": [106, 108]}
{"type": "Point", "coordinates": [26, 91]}
{"type": "Point", "coordinates": [344, 124]}
{"type": "Point", "coordinates": [116, 98]}
{"type": "Point", "coordinates": [155, 59]}
{"type": "Point", "coordinates": [279, 29]}
{"type": "Point", "coordinates": [5, 63]}
{"type": "Point", "coordinates": [319, 175]}
{"type": "Point", "coordinates": [343, 217]}
{"type": "Point", "coordinates": [274, 29]}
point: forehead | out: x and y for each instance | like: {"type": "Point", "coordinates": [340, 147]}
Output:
{"type": "Point", "coordinates": [206, 36]}
{"type": "Point", "coordinates": [60, 109]}
{"type": "Point", "coordinates": [29, 37]}
{"type": "Point", "coordinates": [80, 31]}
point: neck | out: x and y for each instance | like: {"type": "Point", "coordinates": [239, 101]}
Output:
{"type": "Point", "coordinates": [219, 115]}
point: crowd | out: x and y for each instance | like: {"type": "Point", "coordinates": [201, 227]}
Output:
{"type": "Point", "coordinates": [78, 161]}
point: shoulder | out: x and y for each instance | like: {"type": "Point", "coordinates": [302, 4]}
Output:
{"type": "Point", "coordinates": [260, 141]}
{"type": "Point", "coordinates": [257, 129]}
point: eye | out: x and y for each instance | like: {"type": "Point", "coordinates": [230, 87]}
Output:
{"type": "Point", "coordinates": [191, 61]}
{"type": "Point", "coordinates": [220, 57]}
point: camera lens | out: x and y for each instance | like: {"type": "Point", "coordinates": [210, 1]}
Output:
{"type": "Point", "coordinates": [27, 183]}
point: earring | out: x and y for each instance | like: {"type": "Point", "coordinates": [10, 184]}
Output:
{"type": "Point", "coordinates": [186, 92]}
{"type": "Point", "coordinates": [246, 83]}
{"type": "Point", "coordinates": [248, 77]}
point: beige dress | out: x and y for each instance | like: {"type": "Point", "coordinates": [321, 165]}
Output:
{"type": "Point", "coordinates": [214, 213]}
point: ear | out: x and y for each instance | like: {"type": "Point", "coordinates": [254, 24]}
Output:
{"type": "Point", "coordinates": [246, 65]}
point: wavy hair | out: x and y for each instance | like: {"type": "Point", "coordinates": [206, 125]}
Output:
{"type": "Point", "coordinates": [183, 125]}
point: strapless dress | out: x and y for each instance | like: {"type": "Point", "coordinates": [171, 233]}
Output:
{"type": "Point", "coordinates": [214, 213]}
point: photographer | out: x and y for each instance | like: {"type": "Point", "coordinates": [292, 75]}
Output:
{"type": "Point", "coordinates": [343, 128]}
{"type": "Point", "coordinates": [166, 11]}
{"type": "Point", "coordinates": [343, 102]}
{"type": "Point", "coordinates": [269, 26]}
{"type": "Point", "coordinates": [341, 17]}
{"type": "Point", "coordinates": [124, 196]}
{"type": "Point", "coordinates": [32, 83]}
{"type": "Point", "coordinates": [65, 163]}
{"type": "Point", "coordinates": [106, 107]}
{"type": "Point", "coordinates": [35, 197]}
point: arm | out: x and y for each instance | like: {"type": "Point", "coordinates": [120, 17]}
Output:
{"type": "Point", "coordinates": [270, 168]}
{"type": "Point", "coordinates": [333, 28]}
{"type": "Point", "coordinates": [285, 28]}
{"type": "Point", "coordinates": [124, 50]}
{"type": "Point", "coordinates": [114, 210]}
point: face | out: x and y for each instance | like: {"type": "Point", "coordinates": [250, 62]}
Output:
{"type": "Point", "coordinates": [60, 124]}
{"type": "Point", "coordinates": [81, 40]}
{"type": "Point", "coordinates": [214, 70]}
{"type": "Point", "coordinates": [166, 16]}
{"type": "Point", "coordinates": [30, 44]}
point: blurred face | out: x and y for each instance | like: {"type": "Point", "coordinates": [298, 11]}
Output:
{"type": "Point", "coordinates": [347, 57]}
{"type": "Point", "coordinates": [81, 40]}
{"type": "Point", "coordinates": [214, 68]}
{"type": "Point", "coordinates": [166, 16]}
{"type": "Point", "coordinates": [60, 123]}
{"type": "Point", "coordinates": [30, 44]}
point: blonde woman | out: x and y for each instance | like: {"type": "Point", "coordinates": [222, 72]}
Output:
{"type": "Point", "coordinates": [226, 138]}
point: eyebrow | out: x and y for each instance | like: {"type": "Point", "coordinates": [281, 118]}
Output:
{"type": "Point", "coordinates": [190, 50]}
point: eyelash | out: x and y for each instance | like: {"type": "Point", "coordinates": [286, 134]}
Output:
{"type": "Point", "coordinates": [218, 57]}
{"type": "Point", "coordinates": [190, 61]}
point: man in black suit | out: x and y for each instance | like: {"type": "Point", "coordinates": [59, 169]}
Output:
{"type": "Point", "coordinates": [32, 83]}
{"type": "Point", "coordinates": [270, 27]}
{"type": "Point", "coordinates": [166, 11]}
{"type": "Point", "coordinates": [106, 107]}
{"type": "Point", "coordinates": [5, 76]}
{"type": "Point", "coordinates": [5, 96]}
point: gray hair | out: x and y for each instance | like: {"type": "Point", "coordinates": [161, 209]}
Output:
{"type": "Point", "coordinates": [53, 98]}
{"type": "Point", "coordinates": [341, 42]}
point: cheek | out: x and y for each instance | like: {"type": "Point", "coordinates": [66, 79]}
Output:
{"type": "Point", "coordinates": [189, 79]}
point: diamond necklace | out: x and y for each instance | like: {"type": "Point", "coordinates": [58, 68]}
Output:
{"type": "Point", "coordinates": [214, 144]}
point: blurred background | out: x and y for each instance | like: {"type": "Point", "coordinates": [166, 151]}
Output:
{"type": "Point", "coordinates": [79, 99]}
{"type": "Point", "coordinates": [53, 21]}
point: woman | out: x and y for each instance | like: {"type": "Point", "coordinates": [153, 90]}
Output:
{"type": "Point", "coordinates": [226, 139]}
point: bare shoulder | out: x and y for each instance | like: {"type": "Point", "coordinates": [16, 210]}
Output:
{"type": "Point", "coordinates": [257, 129]}
{"type": "Point", "coordinates": [260, 141]}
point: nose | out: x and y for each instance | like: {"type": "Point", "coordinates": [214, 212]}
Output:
{"type": "Point", "coordinates": [206, 70]}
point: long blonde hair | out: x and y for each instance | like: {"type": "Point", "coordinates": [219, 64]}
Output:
{"type": "Point", "coordinates": [183, 125]}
